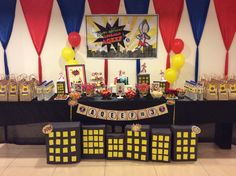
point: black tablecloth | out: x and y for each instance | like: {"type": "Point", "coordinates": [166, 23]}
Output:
{"type": "Point", "coordinates": [14, 113]}
{"type": "Point", "coordinates": [190, 112]}
{"type": "Point", "coordinates": [123, 104]}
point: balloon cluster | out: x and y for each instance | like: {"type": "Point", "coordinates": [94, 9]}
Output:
{"type": "Point", "coordinates": [68, 52]}
{"type": "Point", "coordinates": [177, 61]}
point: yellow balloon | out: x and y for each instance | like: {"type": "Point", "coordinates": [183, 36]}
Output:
{"type": "Point", "coordinates": [178, 61]}
{"type": "Point", "coordinates": [68, 53]}
{"type": "Point", "coordinates": [72, 62]}
{"type": "Point", "coordinates": [171, 75]}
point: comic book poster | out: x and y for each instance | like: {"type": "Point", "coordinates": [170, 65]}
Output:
{"type": "Point", "coordinates": [122, 36]}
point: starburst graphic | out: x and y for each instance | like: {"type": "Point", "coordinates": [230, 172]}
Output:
{"type": "Point", "coordinates": [111, 35]}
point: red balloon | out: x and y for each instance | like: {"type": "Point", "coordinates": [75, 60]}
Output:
{"type": "Point", "coordinates": [74, 39]}
{"type": "Point", "coordinates": [177, 46]}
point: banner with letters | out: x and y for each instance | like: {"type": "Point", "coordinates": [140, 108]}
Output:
{"type": "Point", "coordinates": [122, 115]}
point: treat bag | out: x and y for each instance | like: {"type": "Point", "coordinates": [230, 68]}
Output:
{"type": "Point", "coordinates": [3, 89]}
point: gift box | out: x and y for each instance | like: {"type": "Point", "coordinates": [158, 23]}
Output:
{"type": "Point", "coordinates": [93, 141]}
{"type": "Point", "coordinates": [3, 90]}
{"type": "Point", "coordinates": [115, 146]}
{"type": "Point", "coordinates": [13, 94]}
{"type": "Point", "coordinates": [161, 145]}
{"type": "Point", "coordinates": [63, 144]}
{"type": "Point", "coordinates": [184, 146]}
{"type": "Point", "coordinates": [137, 143]}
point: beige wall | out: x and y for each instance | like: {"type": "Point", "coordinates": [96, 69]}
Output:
{"type": "Point", "coordinates": [22, 56]}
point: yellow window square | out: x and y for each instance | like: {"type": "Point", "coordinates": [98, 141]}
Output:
{"type": "Point", "coordinates": [101, 151]}
{"type": "Point", "coordinates": [73, 158]}
{"type": "Point", "coordinates": [185, 156]}
{"type": "Point", "coordinates": [73, 141]}
{"type": "Point", "coordinates": [185, 134]}
{"type": "Point", "coordinates": [85, 132]}
{"type": "Point", "coordinates": [51, 150]}
{"type": "Point", "coordinates": [129, 133]}
{"type": "Point", "coordinates": [90, 151]}
{"type": "Point", "coordinates": [65, 141]}
{"type": "Point", "coordinates": [95, 138]}
{"type": "Point", "coordinates": [154, 137]}
{"type": "Point", "coordinates": [90, 132]}
{"type": "Point", "coordinates": [120, 154]}
{"type": "Point", "coordinates": [136, 134]}
{"type": "Point", "coordinates": [185, 149]}
{"type": "Point", "coordinates": [143, 157]}
{"type": "Point", "coordinates": [115, 154]}
{"type": "Point", "coordinates": [115, 141]}
{"type": "Point", "coordinates": [167, 138]}
{"type": "Point", "coordinates": [178, 149]}
{"type": "Point", "coordinates": [193, 135]}
{"type": "Point", "coordinates": [110, 147]}
{"type": "Point", "coordinates": [100, 138]}
{"type": "Point", "coordinates": [101, 132]}
{"type": "Point", "coordinates": [136, 141]}
{"type": "Point", "coordinates": [166, 145]}
{"type": "Point", "coordinates": [185, 142]}
{"type": "Point", "coordinates": [144, 142]}
{"type": "Point", "coordinates": [58, 134]}
{"type": "Point", "coordinates": [121, 141]}
{"type": "Point", "coordinates": [160, 157]}
{"type": "Point", "coordinates": [115, 147]}
{"type": "Point", "coordinates": [178, 157]}
{"type": "Point", "coordinates": [129, 147]}
{"type": "Point", "coordinates": [160, 151]}
{"type": "Point", "coordinates": [85, 144]}
{"type": "Point", "coordinates": [192, 149]}
{"type": "Point", "coordinates": [72, 133]}
{"type": "Point", "coordinates": [95, 144]}
{"type": "Point", "coordinates": [65, 150]}
{"type": "Point", "coordinates": [65, 134]}
{"type": "Point", "coordinates": [179, 142]}
{"type": "Point", "coordinates": [95, 132]}
{"type": "Point", "coordinates": [109, 141]}
{"type": "Point", "coordinates": [154, 144]}
{"type": "Point", "coordinates": [58, 142]}
{"type": "Point", "coordinates": [165, 158]}
{"type": "Point", "coordinates": [101, 144]}
{"type": "Point", "coordinates": [90, 144]}
{"type": "Point", "coordinates": [160, 144]}
{"type": "Point", "coordinates": [85, 151]}
{"type": "Point", "coordinates": [179, 134]}
{"type": "Point", "coordinates": [57, 159]}
{"type": "Point", "coordinates": [192, 156]}
{"type": "Point", "coordinates": [85, 138]}
{"type": "Point", "coordinates": [51, 142]}
{"type": "Point", "coordinates": [128, 155]}
{"type": "Point", "coordinates": [65, 159]}
{"type": "Point", "coordinates": [154, 157]}
{"type": "Point", "coordinates": [154, 151]}
{"type": "Point", "coordinates": [144, 149]}
{"type": "Point", "coordinates": [72, 148]}
{"type": "Point", "coordinates": [121, 147]}
{"type": "Point", "coordinates": [136, 156]}
{"type": "Point", "coordinates": [51, 135]}
{"type": "Point", "coordinates": [193, 142]}
{"type": "Point", "coordinates": [166, 152]}
{"type": "Point", "coordinates": [90, 138]}
{"type": "Point", "coordinates": [129, 140]}
{"type": "Point", "coordinates": [96, 151]}
{"type": "Point", "coordinates": [143, 134]}
{"type": "Point", "coordinates": [58, 150]}
{"type": "Point", "coordinates": [160, 138]}
{"type": "Point", "coordinates": [136, 148]}
{"type": "Point", "coordinates": [51, 158]}
{"type": "Point", "coordinates": [109, 154]}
